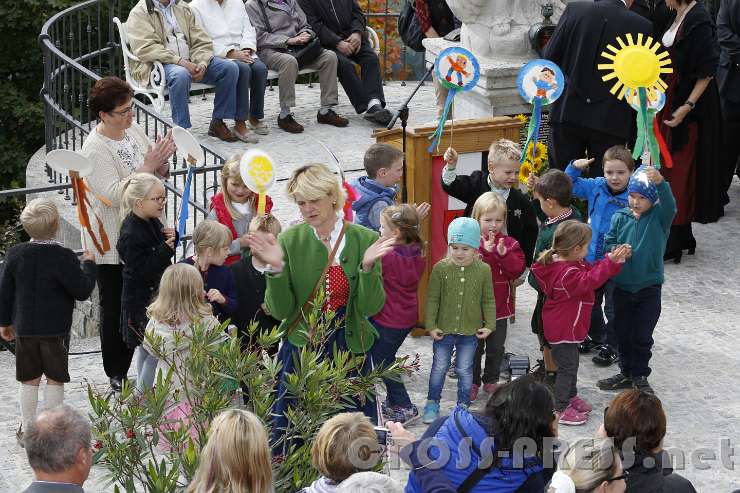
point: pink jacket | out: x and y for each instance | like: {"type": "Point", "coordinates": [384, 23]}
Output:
{"type": "Point", "coordinates": [504, 270]}
{"type": "Point", "coordinates": [569, 287]}
{"type": "Point", "coordinates": [402, 270]}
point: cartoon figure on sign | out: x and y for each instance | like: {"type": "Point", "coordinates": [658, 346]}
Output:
{"type": "Point", "coordinates": [457, 66]}
{"type": "Point", "coordinates": [540, 82]}
{"type": "Point", "coordinates": [545, 83]}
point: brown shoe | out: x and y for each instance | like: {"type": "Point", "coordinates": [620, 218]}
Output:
{"type": "Point", "coordinates": [219, 130]}
{"type": "Point", "coordinates": [289, 124]}
{"type": "Point", "coordinates": [331, 118]}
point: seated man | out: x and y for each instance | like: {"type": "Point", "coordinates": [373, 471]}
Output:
{"type": "Point", "coordinates": [281, 24]}
{"type": "Point", "coordinates": [58, 446]}
{"type": "Point", "coordinates": [341, 27]}
{"type": "Point", "coordinates": [167, 32]}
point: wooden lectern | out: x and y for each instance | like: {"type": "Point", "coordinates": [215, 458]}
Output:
{"type": "Point", "coordinates": [424, 170]}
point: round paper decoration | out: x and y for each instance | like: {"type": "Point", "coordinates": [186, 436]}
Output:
{"type": "Point", "coordinates": [540, 79]}
{"type": "Point", "coordinates": [258, 173]}
{"type": "Point", "coordinates": [457, 68]}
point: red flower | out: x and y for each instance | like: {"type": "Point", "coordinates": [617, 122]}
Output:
{"type": "Point", "coordinates": [130, 434]}
{"type": "Point", "coordinates": [98, 445]}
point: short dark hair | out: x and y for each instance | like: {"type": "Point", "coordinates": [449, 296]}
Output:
{"type": "Point", "coordinates": [638, 415]}
{"type": "Point", "coordinates": [620, 153]}
{"type": "Point", "coordinates": [556, 185]}
{"type": "Point", "coordinates": [108, 93]}
{"type": "Point", "coordinates": [547, 69]}
{"type": "Point", "coordinates": [380, 156]}
{"type": "Point", "coordinates": [54, 438]}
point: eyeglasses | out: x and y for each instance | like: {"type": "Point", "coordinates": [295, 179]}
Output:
{"type": "Point", "coordinates": [161, 199]}
{"type": "Point", "coordinates": [125, 112]}
{"type": "Point", "coordinates": [623, 476]}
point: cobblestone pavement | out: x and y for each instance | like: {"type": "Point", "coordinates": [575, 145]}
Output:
{"type": "Point", "coordinates": [695, 363]}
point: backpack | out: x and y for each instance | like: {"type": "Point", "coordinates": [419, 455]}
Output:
{"type": "Point", "coordinates": [409, 28]}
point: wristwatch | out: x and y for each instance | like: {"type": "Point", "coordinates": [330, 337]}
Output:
{"type": "Point", "coordinates": [690, 104]}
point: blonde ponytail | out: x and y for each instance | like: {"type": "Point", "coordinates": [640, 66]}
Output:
{"type": "Point", "coordinates": [137, 187]}
{"type": "Point", "coordinates": [546, 257]}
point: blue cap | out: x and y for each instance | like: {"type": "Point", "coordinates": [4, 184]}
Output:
{"type": "Point", "coordinates": [640, 183]}
{"type": "Point", "coordinates": [464, 231]}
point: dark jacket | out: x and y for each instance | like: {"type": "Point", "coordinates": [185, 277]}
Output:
{"type": "Point", "coordinates": [657, 479]}
{"type": "Point", "coordinates": [219, 277]}
{"type": "Point", "coordinates": [582, 34]}
{"type": "Point", "coordinates": [39, 286]}
{"type": "Point", "coordinates": [334, 20]}
{"type": "Point", "coordinates": [521, 221]}
{"type": "Point", "coordinates": [728, 72]}
{"type": "Point", "coordinates": [250, 292]}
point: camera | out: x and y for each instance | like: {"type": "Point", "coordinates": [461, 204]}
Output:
{"type": "Point", "coordinates": [381, 433]}
{"type": "Point", "coordinates": [518, 366]}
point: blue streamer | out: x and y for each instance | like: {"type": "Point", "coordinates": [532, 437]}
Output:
{"type": "Point", "coordinates": [184, 207]}
{"type": "Point", "coordinates": [441, 126]}
{"type": "Point", "coordinates": [534, 129]}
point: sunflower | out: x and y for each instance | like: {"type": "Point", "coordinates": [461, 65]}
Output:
{"type": "Point", "coordinates": [524, 171]}
{"type": "Point", "coordinates": [521, 118]}
{"type": "Point", "coordinates": [539, 153]}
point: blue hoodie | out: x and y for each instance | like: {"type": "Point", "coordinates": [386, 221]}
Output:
{"type": "Point", "coordinates": [374, 197]}
{"type": "Point", "coordinates": [602, 204]}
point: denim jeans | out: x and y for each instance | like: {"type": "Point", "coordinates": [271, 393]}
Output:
{"type": "Point", "coordinates": [635, 318]}
{"type": "Point", "coordinates": [146, 368]}
{"type": "Point", "coordinates": [220, 72]}
{"type": "Point", "coordinates": [250, 90]}
{"type": "Point", "coordinates": [465, 347]}
{"type": "Point", "coordinates": [384, 353]}
{"type": "Point", "coordinates": [600, 331]}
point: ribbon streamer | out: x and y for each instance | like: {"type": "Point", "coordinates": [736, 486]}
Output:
{"type": "Point", "coordinates": [533, 131]}
{"type": "Point", "coordinates": [80, 190]}
{"type": "Point", "coordinates": [442, 120]}
{"type": "Point", "coordinates": [183, 219]}
{"type": "Point", "coordinates": [648, 132]}
{"type": "Point", "coordinates": [261, 201]}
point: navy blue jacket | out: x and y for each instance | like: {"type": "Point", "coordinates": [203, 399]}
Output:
{"type": "Point", "coordinates": [219, 277]}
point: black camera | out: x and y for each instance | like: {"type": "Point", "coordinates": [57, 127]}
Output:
{"type": "Point", "coordinates": [381, 434]}
{"type": "Point", "coordinates": [518, 366]}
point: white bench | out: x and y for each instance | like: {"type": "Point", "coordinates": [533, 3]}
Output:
{"type": "Point", "coordinates": [156, 89]}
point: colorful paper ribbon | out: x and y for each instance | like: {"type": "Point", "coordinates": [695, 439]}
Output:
{"type": "Point", "coordinates": [533, 131]}
{"type": "Point", "coordinates": [183, 219]}
{"type": "Point", "coordinates": [442, 120]}
{"type": "Point", "coordinates": [648, 131]}
{"type": "Point", "coordinates": [80, 189]}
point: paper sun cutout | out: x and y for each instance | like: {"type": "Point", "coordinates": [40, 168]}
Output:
{"type": "Point", "coordinates": [635, 65]}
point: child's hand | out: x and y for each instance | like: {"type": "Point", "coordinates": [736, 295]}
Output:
{"type": "Point", "coordinates": [583, 164]}
{"type": "Point", "coordinates": [501, 248]}
{"type": "Point", "coordinates": [489, 241]}
{"type": "Point", "coordinates": [437, 334]}
{"type": "Point", "coordinates": [265, 310]}
{"type": "Point", "coordinates": [7, 333]}
{"type": "Point", "coordinates": [423, 210]}
{"type": "Point", "coordinates": [482, 333]}
{"type": "Point", "coordinates": [620, 254]}
{"type": "Point", "coordinates": [451, 157]}
{"type": "Point", "coordinates": [377, 251]}
{"type": "Point", "coordinates": [87, 256]}
{"type": "Point", "coordinates": [532, 180]}
{"type": "Point", "coordinates": [215, 296]}
{"type": "Point", "coordinates": [169, 232]}
{"type": "Point", "coordinates": [244, 241]}
{"type": "Point", "coordinates": [654, 175]}
{"type": "Point", "coordinates": [170, 242]}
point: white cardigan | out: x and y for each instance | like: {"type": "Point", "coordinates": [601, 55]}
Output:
{"type": "Point", "coordinates": [227, 24]}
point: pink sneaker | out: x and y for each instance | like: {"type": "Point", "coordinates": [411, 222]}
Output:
{"type": "Point", "coordinates": [580, 405]}
{"type": "Point", "coordinates": [474, 392]}
{"type": "Point", "coordinates": [490, 387]}
{"type": "Point", "coordinates": [572, 417]}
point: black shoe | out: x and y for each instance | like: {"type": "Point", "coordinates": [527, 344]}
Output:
{"type": "Point", "coordinates": [617, 382]}
{"type": "Point", "coordinates": [606, 356]}
{"type": "Point", "coordinates": [587, 345]}
{"type": "Point", "coordinates": [116, 383]}
{"type": "Point", "coordinates": [674, 255]}
{"type": "Point", "coordinates": [641, 384]}
{"type": "Point", "coordinates": [378, 114]}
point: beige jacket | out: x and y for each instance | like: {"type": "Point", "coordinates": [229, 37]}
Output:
{"type": "Point", "coordinates": [146, 33]}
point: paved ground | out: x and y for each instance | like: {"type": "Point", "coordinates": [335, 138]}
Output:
{"type": "Point", "coordinates": [696, 358]}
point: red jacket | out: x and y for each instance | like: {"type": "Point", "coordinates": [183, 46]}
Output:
{"type": "Point", "coordinates": [569, 287]}
{"type": "Point", "coordinates": [504, 270]}
{"type": "Point", "coordinates": [224, 217]}
{"type": "Point", "coordinates": [402, 270]}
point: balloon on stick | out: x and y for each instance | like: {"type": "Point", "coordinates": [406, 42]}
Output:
{"type": "Point", "coordinates": [193, 154]}
{"type": "Point", "coordinates": [257, 170]}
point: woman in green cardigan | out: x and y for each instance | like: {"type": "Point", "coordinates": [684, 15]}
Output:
{"type": "Point", "coordinates": [296, 260]}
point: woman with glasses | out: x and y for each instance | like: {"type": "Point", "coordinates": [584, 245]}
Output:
{"type": "Point", "coordinates": [591, 465]}
{"type": "Point", "coordinates": [117, 147]}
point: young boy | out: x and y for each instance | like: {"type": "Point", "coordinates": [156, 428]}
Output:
{"type": "Point", "coordinates": [637, 288]}
{"type": "Point", "coordinates": [605, 196]}
{"type": "Point", "coordinates": [503, 178]}
{"type": "Point", "coordinates": [553, 192]}
{"type": "Point", "coordinates": [384, 167]}
{"type": "Point", "coordinates": [40, 284]}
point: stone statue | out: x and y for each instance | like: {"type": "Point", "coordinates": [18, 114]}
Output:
{"type": "Point", "coordinates": [495, 28]}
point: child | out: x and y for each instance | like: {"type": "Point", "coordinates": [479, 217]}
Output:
{"type": "Point", "coordinates": [145, 247]}
{"type": "Point", "coordinates": [212, 240]}
{"type": "Point", "coordinates": [552, 190]}
{"type": "Point", "coordinates": [402, 271]}
{"type": "Point", "coordinates": [178, 306]}
{"type": "Point", "coordinates": [569, 284]}
{"type": "Point", "coordinates": [38, 289]}
{"type": "Point", "coordinates": [384, 167]}
{"type": "Point", "coordinates": [235, 206]}
{"type": "Point", "coordinates": [460, 309]}
{"type": "Point", "coordinates": [637, 289]}
{"type": "Point", "coordinates": [506, 259]}
{"type": "Point", "coordinates": [502, 178]}
{"type": "Point", "coordinates": [340, 449]}
{"type": "Point", "coordinates": [605, 196]}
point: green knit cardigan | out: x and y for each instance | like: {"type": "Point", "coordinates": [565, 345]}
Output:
{"type": "Point", "coordinates": [305, 257]}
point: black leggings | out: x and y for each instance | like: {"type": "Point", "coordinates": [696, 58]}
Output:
{"type": "Point", "coordinates": [117, 355]}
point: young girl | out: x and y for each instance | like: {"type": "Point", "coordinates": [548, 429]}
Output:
{"type": "Point", "coordinates": [212, 240]}
{"type": "Point", "coordinates": [460, 310]}
{"type": "Point", "coordinates": [145, 247]}
{"type": "Point", "coordinates": [402, 270]}
{"type": "Point", "coordinates": [506, 259]}
{"type": "Point", "coordinates": [569, 284]}
{"type": "Point", "coordinates": [235, 206]}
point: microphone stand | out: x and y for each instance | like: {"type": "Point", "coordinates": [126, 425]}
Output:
{"type": "Point", "coordinates": [403, 113]}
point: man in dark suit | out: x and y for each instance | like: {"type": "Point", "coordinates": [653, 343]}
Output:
{"type": "Point", "coordinates": [728, 79]}
{"type": "Point", "coordinates": [587, 118]}
{"type": "Point", "coordinates": [340, 26]}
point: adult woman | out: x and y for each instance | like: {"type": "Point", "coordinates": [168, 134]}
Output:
{"type": "Point", "coordinates": [691, 123]}
{"type": "Point", "coordinates": [520, 410]}
{"type": "Point", "coordinates": [233, 36]}
{"type": "Point", "coordinates": [636, 422]}
{"type": "Point", "coordinates": [117, 148]}
{"type": "Point", "coordinates": [591, 465]}
{"type": "Point", "coordinates": [236, 458]}
{"type": "Point", "coordinates": [325, 251]}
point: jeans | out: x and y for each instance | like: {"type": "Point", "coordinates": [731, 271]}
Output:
{"type": "Point", "coordinates": [220, 72]}
{"type": "Point", "coordinates": [567, 357]}
{"type": "Point", "coordinates": [635, 318]}
{"type": "Point", "coordinates": [250, 90]}
{"type": "Point", "coordinates": [116, 354]}
{"type": "Point", "coordinates": [146, 369]}
{"type": "Point", "coordinates": [384, 353]}
{"type": "Point", "coordinates": [465, 347]}
{"type": "Point", "coordinates": [603, 332]}
{"type": "Point", "coordinates": [493, 347]}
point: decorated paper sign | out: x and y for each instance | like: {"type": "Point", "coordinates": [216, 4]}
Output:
{"type": "Point", "coordinates": [192, 152]}
{"type": "Point", "coordinates": [258, 173]}
{"type": "Point", "coordinates": [540, 82]}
